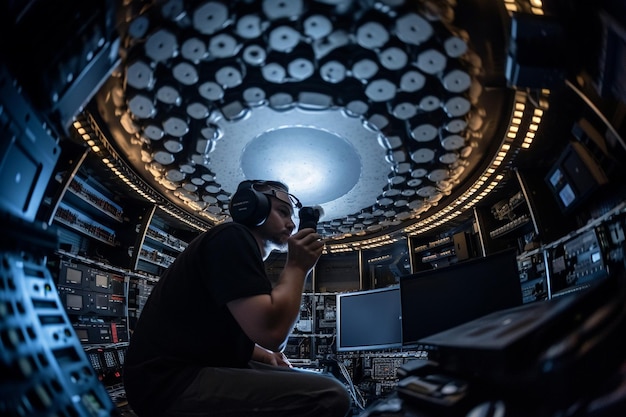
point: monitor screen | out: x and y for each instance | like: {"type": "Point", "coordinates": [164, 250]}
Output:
{"type": "Point", "coordinates": [102, 301]}
{"type": "Point", "coordinates": [83, 335]}
{"type": "Point", "coordinates": [438, 299]}
{"type": "Point", "coordinates": [102, 281]}
{"type": "Point", "coordinates": [74, 301]}
{"type": "Point", "coordinates": [73, 276]}
{"type": "Point", "coordinates": [369, 320]}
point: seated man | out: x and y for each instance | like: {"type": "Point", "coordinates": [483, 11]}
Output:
{"type": "Point", "coordinates": [209, 340]}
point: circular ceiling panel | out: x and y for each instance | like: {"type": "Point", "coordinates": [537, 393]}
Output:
{"type": "Point", "coordinates": [319, 165]}
{"type": "Point", "coordinates": [337, 99]}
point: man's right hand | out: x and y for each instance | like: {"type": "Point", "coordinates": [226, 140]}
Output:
{"type": "Point", "coordinates": [304, 249]}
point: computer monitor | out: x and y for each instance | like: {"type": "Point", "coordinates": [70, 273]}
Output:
{"type": "Point", "coordinates": [436, 300]}
{"type": "Point", "coordinates": [369, 320]}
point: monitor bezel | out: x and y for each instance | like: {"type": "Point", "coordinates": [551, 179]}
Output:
{"type": "Point", "coordinates": [341, 346]}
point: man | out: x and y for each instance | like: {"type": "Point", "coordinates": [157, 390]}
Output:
{"type": "Point", "coordinates": [209, 339]}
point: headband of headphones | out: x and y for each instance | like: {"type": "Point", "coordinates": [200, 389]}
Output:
{"type": "Point", "coordinates": [250, 205]}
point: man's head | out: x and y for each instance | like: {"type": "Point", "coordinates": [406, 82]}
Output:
{"type": "Point", "coordinates": [252, 202]}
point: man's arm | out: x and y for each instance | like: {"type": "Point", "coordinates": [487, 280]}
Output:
{"type": "Point", "coordinates": [268, 319]}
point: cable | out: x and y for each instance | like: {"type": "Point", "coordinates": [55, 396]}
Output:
{"type": "Point", "coordinates": [352, 389]}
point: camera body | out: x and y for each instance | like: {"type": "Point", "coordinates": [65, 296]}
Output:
{"type": "Point", "coordinates": [309, 216]}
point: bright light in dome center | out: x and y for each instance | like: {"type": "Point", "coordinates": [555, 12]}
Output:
{"type": "Point", "coordinates": [317, 165]}
{"type": "Point", "coordinates": [302, 176]}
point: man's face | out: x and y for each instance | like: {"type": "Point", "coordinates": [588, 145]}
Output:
{"type": "Point", "coordinates": [279, 225]}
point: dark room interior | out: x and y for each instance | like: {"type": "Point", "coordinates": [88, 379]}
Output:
{"type": "Point", "coordinates": [464, 161]}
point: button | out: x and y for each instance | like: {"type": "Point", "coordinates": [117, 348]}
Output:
{"type": "Point", "coordinates": [413, 29]}
{"type": "Point", "coordinates": [210, 17]}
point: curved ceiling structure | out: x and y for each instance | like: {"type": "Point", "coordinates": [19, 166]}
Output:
{"type": "Point", "coordinates": [381, 112]}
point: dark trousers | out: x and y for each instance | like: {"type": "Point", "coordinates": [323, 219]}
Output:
{"type": "Point", "coordinates": [264, 391]}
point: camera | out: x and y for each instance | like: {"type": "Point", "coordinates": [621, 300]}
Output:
{"type": "Point", "coordinates": [309, 216]}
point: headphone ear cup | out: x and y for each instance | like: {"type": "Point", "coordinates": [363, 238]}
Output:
{"type": "Point", "coordinates": [249, 207]}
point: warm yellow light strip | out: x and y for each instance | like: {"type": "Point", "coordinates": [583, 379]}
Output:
{"type": "Point", "coordinates": [362, 245]}
{"type": "Point", "coordinates": [510, 5]}
{"type": "Point", "coordinates": [535, 6]}
{"type": "Point", "coordinates": [467, 200]}
{"type": "Point", "coordinates": [472, 196]}
{"type": "Point", "coordinates": [478, 191]}
{"type": "Point", "coordinates": [182, 219]}
{"type": "Point", "coordinates": [92, 139]}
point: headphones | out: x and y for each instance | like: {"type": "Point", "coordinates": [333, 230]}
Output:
{"type": "Point", "coordinates": [249, 206]}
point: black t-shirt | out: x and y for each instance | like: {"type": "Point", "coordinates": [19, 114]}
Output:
{"type": "Point", "coordinates": [185, 324]}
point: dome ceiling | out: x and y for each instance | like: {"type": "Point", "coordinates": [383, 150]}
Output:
{"type": "Point", "coordinates": [373, 110]}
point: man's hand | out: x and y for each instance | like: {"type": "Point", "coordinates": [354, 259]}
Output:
{"type": "Point", "coordinates": [263, 355]}
{"type": "Point", "coordinates": [304, 249]}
